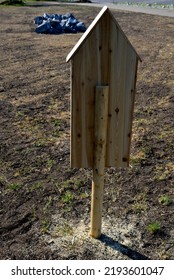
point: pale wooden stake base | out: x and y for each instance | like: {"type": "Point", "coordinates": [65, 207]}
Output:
{"type": "Point", "coordinates": [101, 120]}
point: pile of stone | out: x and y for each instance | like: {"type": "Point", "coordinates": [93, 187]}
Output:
{"type": "Point", "coordinates": [58, 24]}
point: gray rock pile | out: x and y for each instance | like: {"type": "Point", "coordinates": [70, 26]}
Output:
{"type": "Point", "coordinates": [58, 24]}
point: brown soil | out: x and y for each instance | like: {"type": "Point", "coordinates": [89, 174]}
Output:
{"type": "Point", "coordinates": [45, 205]}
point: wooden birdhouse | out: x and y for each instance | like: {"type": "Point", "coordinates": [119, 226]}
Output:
{"type": "Point", "coordinates": [103, 57]}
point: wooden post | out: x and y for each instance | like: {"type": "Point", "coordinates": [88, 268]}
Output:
{"type": "Point", "coordinates": [101, 120]}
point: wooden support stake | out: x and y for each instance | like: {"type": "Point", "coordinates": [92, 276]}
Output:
{"type": "Point", "coordinates": [101, 120]}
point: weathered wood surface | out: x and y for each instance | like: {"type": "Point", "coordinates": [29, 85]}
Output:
{"type": "Point", "coordinates": [100, 134]}
{"type": "Point", "coordinates": [103, 57]}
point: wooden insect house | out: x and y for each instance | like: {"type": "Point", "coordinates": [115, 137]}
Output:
{"type": "Point", "coordinates": [103, 83]}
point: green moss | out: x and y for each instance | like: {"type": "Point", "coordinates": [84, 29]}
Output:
{"type": "Point", "coordinates": [165, 200]}
{"type": "Point", "coordinates": [153, 227]}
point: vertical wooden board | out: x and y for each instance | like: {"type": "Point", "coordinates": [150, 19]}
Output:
{"type": "Point", "coordinates": [76, 112]}
{"type": "Point", "coordinates": [104, 48]}
{"type": "Point", "coordinates": [89, 102]}
{"type": "Point", "coordinates": [117, 98]}
{"type": "Point", "coordinates": [112, 147]}
{"type": "Point", "coordinates": [120, 109]}
{"type": "Point", "coordinates": [131, 71]}
{"type": "Point", "coordinates": [79, 118]}
{"type": "Point", "coordinates": [101, 112]}
{"type": "Point", "coordinates": [122, 90]}
{"type": "Point", "coordinates": [82, 105]}
{"type": "Point", "coordinates": [125, 124]}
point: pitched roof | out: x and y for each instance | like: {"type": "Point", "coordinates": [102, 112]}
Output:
{"type": "Point", "coordinates": [84, 37]}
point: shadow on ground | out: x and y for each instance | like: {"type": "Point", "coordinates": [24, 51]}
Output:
{"type": "Point", "coordinates": [132, 254]}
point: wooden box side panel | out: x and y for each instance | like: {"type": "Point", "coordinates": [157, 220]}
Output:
{"type": "Point", "coordinates": [105, 58]}
{"type": "Point", "coordinates": [123, 63]}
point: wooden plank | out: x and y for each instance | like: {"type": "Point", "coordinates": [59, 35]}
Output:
{"type": "Point", "coordinates": [128, 103]}
{"type": "Point", "coordinates": [82, 105]}
{"type": "Point", "coordinates": [116, 102]}
{"type": "Point", "coordinates": [122, 91]}
{"type": "Point", "coordinates": [101, 113]}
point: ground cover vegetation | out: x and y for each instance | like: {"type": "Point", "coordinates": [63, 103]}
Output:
{"type": "Point", "coordinates": [44, 204]}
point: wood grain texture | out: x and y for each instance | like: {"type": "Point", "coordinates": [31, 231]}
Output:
{"type": "Point", "coordinates": [104, 57]}
{"type": "Point", "coordinates": [100, 137]}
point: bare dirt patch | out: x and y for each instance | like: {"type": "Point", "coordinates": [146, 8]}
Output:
{"type": "Point", "coordinates": [45, 205]}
